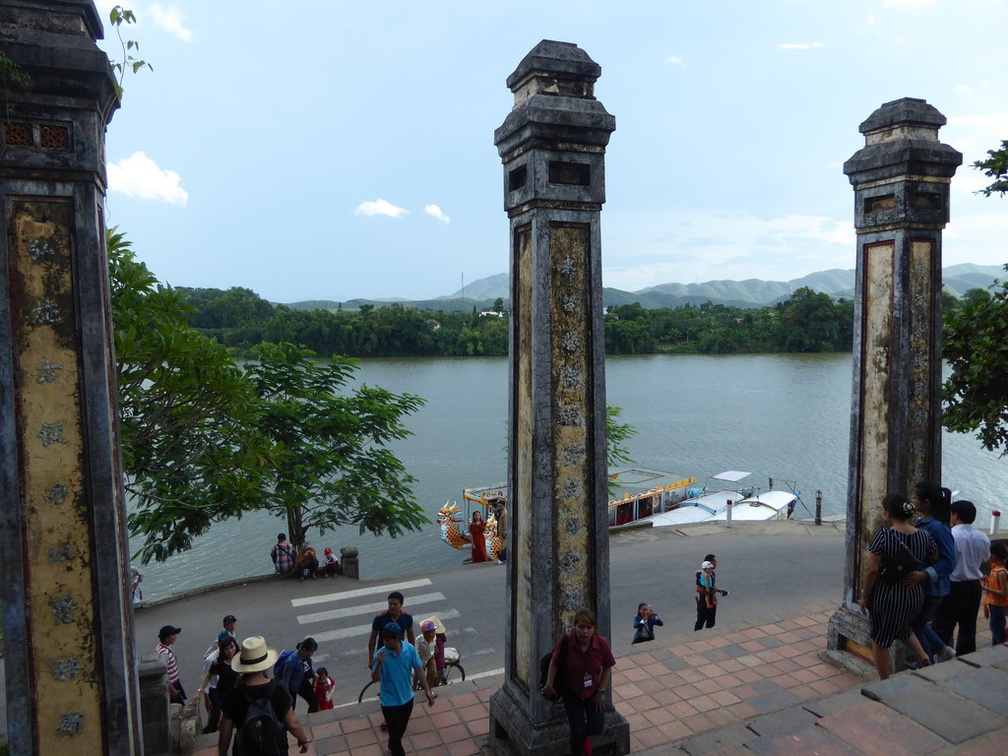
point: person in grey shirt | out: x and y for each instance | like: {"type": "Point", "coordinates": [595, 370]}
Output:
{"type": "Point", "coordinates": [961, 605]}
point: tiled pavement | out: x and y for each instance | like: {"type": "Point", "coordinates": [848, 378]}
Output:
{"type": "Point", "coordinates": [764, 689]}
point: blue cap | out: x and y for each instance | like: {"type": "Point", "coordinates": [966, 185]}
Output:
{"type": "Point", "coordinates": [223, 635]}
{"type": "Point", "coordinates": [392, 630]}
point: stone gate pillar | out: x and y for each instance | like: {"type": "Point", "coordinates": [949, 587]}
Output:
{"type": "Point", "coordinates": [901, 204]}
{"type": "Point", "coordinates": [70, 668]}
{"type": "Point", "coordinates": [552, 145]}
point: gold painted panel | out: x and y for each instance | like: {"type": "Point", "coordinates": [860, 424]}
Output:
{"type": "Point", "coordinates": [876, 375]}
{"type": "Point", "coordinates": [570, 347]}
{"type": "Point", "coordinates": [59, 585]}
{"type": "Point", "coordinates": [921, 360]}
{"type": "Point", "coordinates": [521, 504]}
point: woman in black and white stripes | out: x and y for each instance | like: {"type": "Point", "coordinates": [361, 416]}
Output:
{"type": "Point", "coordinates": [892, 603]}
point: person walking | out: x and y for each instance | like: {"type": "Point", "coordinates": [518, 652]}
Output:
{"type": "Point", "coordinates": [584, 673]}
{"type": "Point", "coordinates": [962, 604]}
{"type": "Point", "coordinates": [294, 670]}
{"type": "Point", "coordinates": [706, 596]}
{"type": "Point", "coordinates": [166, 638]}
{"type": "Point", "coordinates": [395, 614]}
{"type": "Point", "coordinates": [934, 505]}
{"type": "Point", "coordinates": [890, 600]}
{"type": "Point", "coordinates": [394, 664]}
{"type": "Point", "coordinates": [252, 664]}
{"type": "Point", "coordinates": [224, 678]}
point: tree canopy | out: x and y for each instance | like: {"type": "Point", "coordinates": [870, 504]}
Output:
{"type": "Point", "coordinates": [975, 344]}
{"type": "Point", "coordinates": [204, 440]}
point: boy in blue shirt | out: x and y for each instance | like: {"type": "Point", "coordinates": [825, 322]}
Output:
{"type": "Point", "coordinates": [393, 664]}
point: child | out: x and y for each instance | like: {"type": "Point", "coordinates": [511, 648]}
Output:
{"type": "Point", "coordinates": [331, 563]}
{"type": "Point", "coordinates": [707, 584]}
{"type": "Point", "coordinates": [324, 688]}
{"type": "Point", "coordinates": [996, 600]}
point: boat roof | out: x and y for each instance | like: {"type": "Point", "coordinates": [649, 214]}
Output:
{"type": "Point", "coordinates": [765, 506]}
{"type": "Point", "coordinates": [698, 509]}
{"type": "Point", "coordinates": [732, 476]}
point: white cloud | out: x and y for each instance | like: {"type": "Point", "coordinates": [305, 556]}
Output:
{"type": "Point", "coordinates": [139, 176]}
{"type": "Point", "coordinates": [172, 20]}
{"type": "Point", "coordinates": [798, 45]}
{"type": "Point", "coordinates": [380, 207]}
{"type": "Point", "coordinates": [436, 212]}
{"type": "Point", "coordinates": [675, 61]}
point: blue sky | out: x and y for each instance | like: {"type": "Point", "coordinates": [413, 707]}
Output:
{"type": "Point", "coordinates": [332, 150]}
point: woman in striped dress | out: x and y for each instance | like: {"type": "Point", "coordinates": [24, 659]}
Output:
{"type": "Point", "coordinates": [892, 603]}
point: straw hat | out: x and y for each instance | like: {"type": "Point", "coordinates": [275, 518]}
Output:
{"type": "Point", "coordinates": [439, 628]}
{"type": "Point", "coordinates": [254, 656]}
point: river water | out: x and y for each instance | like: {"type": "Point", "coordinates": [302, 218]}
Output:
{"type": "Point", "coordinates": [780, 416]}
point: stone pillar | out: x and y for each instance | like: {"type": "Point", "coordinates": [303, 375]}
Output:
{"type": "Point", "coordinates": [68, 624]}
{"type": "Point", "coordinates": [552, 145]}
{"type": "Point", "coordinates": [901, 204]}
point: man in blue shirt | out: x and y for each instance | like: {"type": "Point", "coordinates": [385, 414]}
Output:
{"type": "Point", "coordinates": [393, 664]}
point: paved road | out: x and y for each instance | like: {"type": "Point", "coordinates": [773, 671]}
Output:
{"type": "Point", "coordinates": [769, 568]}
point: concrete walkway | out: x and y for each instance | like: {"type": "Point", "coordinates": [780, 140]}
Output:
{"type": "Point", "coordinates": [739, 689]}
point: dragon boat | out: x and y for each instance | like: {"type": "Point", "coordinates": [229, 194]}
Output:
{"type": "Point", "coordinates": [637, 494]}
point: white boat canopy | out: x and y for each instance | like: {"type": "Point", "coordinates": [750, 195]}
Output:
{"type": "Point", "coordinates": [732, 476]}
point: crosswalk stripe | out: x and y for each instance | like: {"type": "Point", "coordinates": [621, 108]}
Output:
{"type": "Point", "coordinates": [362, 631]}
{"type": "Point", "coordinates": [357, 593]}
{"type": "Point", "coordinates": [374, 608]}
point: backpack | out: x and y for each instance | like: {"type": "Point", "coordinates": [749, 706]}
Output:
{"type": "Point", "coordinates": [262, 733]}
{"type": "Point", "coordinates": [544, 664]}
{"type": "Point", "coordinates": [283, 661]}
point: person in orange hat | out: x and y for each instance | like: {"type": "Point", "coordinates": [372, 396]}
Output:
{"type": "Point", "coordinates": [331, 563]}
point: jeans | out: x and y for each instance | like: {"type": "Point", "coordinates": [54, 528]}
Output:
{"type": "Point", "coordinates": [584, 719]}
{"type": "Point", "coordinates": [397, 717]}
{"type": "Point", "coordinates": [997, 623]}
{"type": "Point", "coordinates": [930, 641]}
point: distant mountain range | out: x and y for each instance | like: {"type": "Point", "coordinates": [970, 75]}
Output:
{"type": "Point", "coordinates": [753, 292]}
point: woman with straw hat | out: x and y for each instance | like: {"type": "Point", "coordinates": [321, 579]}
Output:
{"type": "Point", "coordinates": [253, 686]}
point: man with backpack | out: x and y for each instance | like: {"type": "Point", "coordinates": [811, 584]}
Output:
{"type": "Point", "coordinates": [258, 710]}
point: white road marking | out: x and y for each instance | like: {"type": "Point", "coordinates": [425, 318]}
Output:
{"type": "Point", "coordinates": [357, 593]}
{"type": "Point", "coordinates": [363, 631]}
{"type": "Point", "coordinates": [374, 608]}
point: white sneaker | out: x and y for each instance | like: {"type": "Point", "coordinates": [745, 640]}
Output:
{"type": "Point", "coordinates": [946, 654]}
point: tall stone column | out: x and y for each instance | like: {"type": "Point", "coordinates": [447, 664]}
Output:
{"type": "Point", "coordinates": [901, 204]}
{"type": "Point", "coordinates": [68, 636]}
{"type": "Point", "coordinates": [553, 145]}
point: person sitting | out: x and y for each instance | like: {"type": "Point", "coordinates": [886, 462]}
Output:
{"type": "Point", "coordinates": [331, 563]}
{"type": "Point", "coordinates": [644, 623]}
{"type": "Point", "coordinates": [427, 649]}
{"type": "Point", "coordinates": [282, 554]}
{"type": "Point", "coordinates": [306, 563]}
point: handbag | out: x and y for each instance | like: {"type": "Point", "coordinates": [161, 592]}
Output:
{"type": "Point", "coordinates": [544, 664]}
{"type": "Point", "coordinates": [901, 564]}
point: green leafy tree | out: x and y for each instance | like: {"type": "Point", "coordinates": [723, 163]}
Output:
{"type": "Point", "coordinates": [617, 434]}
{"type": "Point", "coordinates": [995, 167]}
{"type": "Point", "coordinates": [976, 348]}
{"type": "Point", "coordinates": [190, 449]}
{"type": "Point", "coordinates": [333, 465]}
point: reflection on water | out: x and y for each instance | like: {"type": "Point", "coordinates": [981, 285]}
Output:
{"type": "Point", "coordinates": [780, 416]}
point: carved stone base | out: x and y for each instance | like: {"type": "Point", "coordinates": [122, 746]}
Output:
{"type": "Point", "coordinates": [513, 733]}
{"type": "Point", "coordinates": [849, 645]}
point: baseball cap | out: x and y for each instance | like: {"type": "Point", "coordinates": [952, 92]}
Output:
{"type": "Point", "coordinates": [167, 630]}
{"type": "Point", "coordinates": [230, 618]}
{"type": "Point", "coordinates": [392, 630]}
{"type": "Point", "coordinates": [427, 626]}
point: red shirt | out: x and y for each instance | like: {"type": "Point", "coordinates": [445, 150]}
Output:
{"type": "Point", "coordinates": [579, 664]}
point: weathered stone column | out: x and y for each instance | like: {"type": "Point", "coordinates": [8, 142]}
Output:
{"type": "Point", "coordinates": [901, 204]}
{"type": "Point", "coordinates": [553, 145]}
{"type": "Point", "coordinates": [70, 666]}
